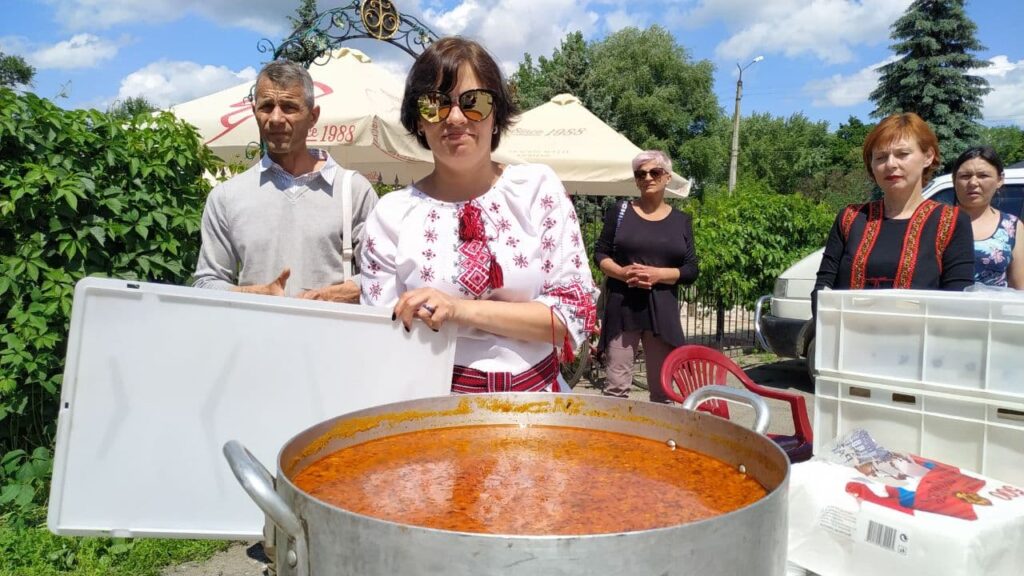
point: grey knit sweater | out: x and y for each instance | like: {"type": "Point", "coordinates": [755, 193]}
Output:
{"type": "Point", "coordinates": [264, 220]}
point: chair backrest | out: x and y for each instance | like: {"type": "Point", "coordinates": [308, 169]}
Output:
{"type": "Point", "coordinates": [689, 367]}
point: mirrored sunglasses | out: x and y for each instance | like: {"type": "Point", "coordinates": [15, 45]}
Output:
{"type": "Point", "coordinates": [654, 172]}
{"type": "Point", "coordinates": [476, 105]}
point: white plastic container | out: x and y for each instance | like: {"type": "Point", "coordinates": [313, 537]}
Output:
{"type": "Point", "coordinates": [971, 433]}
{"type": "Point", "coordinates": [158, 378]}
{"type": "Point", "coordinates": [965, 343]}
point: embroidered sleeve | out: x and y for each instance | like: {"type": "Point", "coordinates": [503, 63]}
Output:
{"type": "Point", "coordinates": [377, 256]}
{"type": "Point", "coordinates": [568, 285]}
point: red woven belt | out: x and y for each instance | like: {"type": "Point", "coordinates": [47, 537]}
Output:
{"type": "Point", "coordinates": [536, 378]}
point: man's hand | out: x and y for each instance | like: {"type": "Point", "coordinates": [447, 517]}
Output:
{"type": "Point", "coordinates": [347, 291]}
{"type": "Point", "coordinates": [275, 288]}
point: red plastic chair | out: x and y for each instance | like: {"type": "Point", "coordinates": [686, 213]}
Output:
{"type": "Point", "coordinates": [689, 367]}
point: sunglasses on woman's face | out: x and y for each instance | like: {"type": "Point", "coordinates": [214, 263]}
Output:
{"type": "Point", "coordinates": [476, 105]}
{"type": "Point", "coordinates": [654, 172]}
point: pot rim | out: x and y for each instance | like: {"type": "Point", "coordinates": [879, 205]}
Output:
{"type": "Point", "coordinates": [781, 487]}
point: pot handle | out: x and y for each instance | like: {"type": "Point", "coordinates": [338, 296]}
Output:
{"type": "Point", "coordinates": [259, 485]}
{"type": "Point", "coordinates": [761, 412]}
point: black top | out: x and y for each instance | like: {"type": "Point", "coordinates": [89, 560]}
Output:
{"type": "Point", "coordinates": [895, 240]}
{"type": "Point", "coordinates": [665, 243]}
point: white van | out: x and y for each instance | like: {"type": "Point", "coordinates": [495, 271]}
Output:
{"type": "Point", "coordinates": [784, 328]}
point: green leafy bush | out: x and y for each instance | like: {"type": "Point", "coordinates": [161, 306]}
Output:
{"type": "Point", "coordinates": [81, 194]}
{"type": "Point", "coordinates": [745, 240]}
{"type": "Point", "coordinates": [34, 551]}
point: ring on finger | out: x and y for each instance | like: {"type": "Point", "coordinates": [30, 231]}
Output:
{"type": "Point", "coordinates": [430, 309]}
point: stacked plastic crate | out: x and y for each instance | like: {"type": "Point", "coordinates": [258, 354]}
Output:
{"type": "Point", "coordinates": [939, 374]}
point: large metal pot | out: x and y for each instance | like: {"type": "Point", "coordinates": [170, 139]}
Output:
{"type": "Point", "coordinates": [316, 539]}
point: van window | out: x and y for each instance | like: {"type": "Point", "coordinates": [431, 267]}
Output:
{"type": "Point", "coordinates": [1009, 199]}
{"type": "Point", "coordinates": [946, 196]}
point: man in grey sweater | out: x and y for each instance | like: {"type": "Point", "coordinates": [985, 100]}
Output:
{"type": "Point", "coordinates": [277, 228]}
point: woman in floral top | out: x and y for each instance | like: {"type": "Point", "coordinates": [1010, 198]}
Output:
{"type": "Point", "coordinates": [998, 258]}
{"type": "Point", "coordinates": [494, 249]}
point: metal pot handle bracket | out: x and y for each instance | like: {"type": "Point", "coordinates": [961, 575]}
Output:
{"type": "Point", "coordinates": [258, 483]}
{"type": "Point", "coordinates": [761, 412]}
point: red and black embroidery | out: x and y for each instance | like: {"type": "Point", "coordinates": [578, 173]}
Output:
{"type": "Point", "coordinates": [867, 243]}
{"type": "Point", "coordinates": [947, 223]}
{"type": "Point", "coordinates": [479, 268]}
{"type": "Point", "coordinates": [849, 215]}
{"type": "Point", "coordinates": [912, 244]}
{"type": "Point", "coordinates": [576, 305]}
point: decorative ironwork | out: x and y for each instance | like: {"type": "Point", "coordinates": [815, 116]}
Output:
{"type": "Point", "coordinates": [380, 18]}
{"type": "Point", "coordinates": [314, 41]}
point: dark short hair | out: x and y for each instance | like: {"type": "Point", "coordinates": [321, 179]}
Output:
{"type": "Point", "coordinates": [986, 153]}
{"type": "Point", "coordinates": [285, 74]}
{"type": "Point", "coordinates": [906, 125]}
{"type": "Point", "coordinates": [437, 68]}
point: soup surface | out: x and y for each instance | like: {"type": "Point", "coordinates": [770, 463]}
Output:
{"type": "Point", "coordinates": [527, 481]}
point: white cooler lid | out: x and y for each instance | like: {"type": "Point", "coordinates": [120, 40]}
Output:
{"type": "Point", "coordinates": [158, 378]}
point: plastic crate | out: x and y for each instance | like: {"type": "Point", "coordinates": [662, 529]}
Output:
{"type": "Point", "coordinates": [971, 433]}
{"type": "Point", "coordinates": [967, 343]}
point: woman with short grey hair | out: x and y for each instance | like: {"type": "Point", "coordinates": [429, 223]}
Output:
{"type": "Point", "coordinates": [646, 251]}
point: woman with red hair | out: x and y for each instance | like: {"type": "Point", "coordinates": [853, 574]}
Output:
{"type": "Point", "coordinates": [902, 240]}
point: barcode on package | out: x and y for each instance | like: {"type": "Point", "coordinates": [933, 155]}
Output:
{"type": "Point", "coordinates": [881, 535]}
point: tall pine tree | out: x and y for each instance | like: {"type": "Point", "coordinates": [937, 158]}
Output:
{"type": "Point", "coordinates": [933, 76]}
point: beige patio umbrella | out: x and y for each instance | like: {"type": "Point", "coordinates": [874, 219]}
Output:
{"type": "Point", "coordinates": [359, 120]}
{"type": "Point", "coordinates": [589, 156]}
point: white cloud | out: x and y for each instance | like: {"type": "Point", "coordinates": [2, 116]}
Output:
{"type": "Point", "coordinates": [829, 30]}
{"type": "Point", "coordinates": [507, 27]}
{"type": "Point", "coordinates": [1003, 105]}
{"type": "Point", "coordinates": [510, 27]}
{"type": "Point", "coordinates": [14, 45]}
{"type": "Point", "coordinates": [167, 83]}
{"type": "Point", "coordinates": [842, 91]}
{"type": "Point", "coordinates": [622, 18]}
{"type": "Point", "coordinates": [266, 16]}
{"type": "Point", "coordinates": [80, 51]}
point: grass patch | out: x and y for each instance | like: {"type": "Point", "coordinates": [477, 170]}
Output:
{"type": "Point", "coordinates": [27, 548]}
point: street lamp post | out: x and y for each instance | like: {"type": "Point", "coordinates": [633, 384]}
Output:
{"type": "Point", "coordinates": [735, 153]}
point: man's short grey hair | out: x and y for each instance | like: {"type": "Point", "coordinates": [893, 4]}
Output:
{"type": "Point", "coordinates": [656, 155]}
{"type": "Point", "coordinates": [285, 73]}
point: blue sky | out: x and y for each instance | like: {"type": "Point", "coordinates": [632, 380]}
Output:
{"type": "Point", "coordinates": [820, 55]}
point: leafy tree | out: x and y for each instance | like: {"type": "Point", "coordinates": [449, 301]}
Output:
{"type": "Point", "coordinates": [82, 193]}
{"type": "Point", "coordinates": [1007, 140]}
{"type": "Point", "coordinates": [782, 151]}
{"type": "Point", "coordinates": [933, 77]}
{"type": "Point", "coordinates": [131, 107]}
{"type": "Point", "coordinates": [843, 180]}
{"type": "Point", "coordinates": [566, 72]}
{"type": "Point", "coordinates": [14, 71]}
{"type": "Point", "coordinates": [847, 143]}
{"type": "Point", "coordinates": [646, 86]}
{"type": "Point", "coordinates": [746, 239]}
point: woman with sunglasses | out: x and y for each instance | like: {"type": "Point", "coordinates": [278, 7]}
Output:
{"type": "Point", "coordinates": [646, 251]}
{"type": "Point", "coordinates": [494, 249]}
{"type": "Point", "coordinates": [998, 257]}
